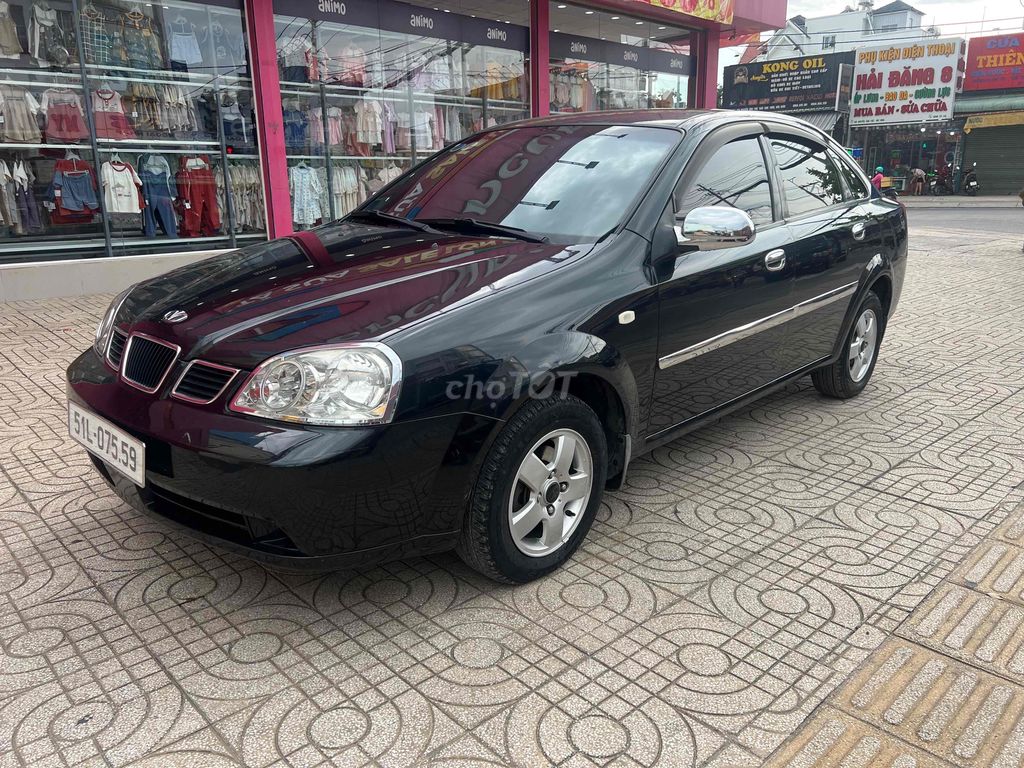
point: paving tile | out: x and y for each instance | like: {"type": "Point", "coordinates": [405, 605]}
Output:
{"type": "Point", "coordinates": [955, 712]}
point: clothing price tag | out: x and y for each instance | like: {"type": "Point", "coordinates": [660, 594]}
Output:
{"type": "Point", "coordinates": [56, 193]}
{"type": "Point", "coordinates": [1, 119]}
{"type": "Point", "coordinates": [188, 205]}
{"type": "Point", "coordinates": [49, 206]}
{"type": "Point", "coordinates": [135, 115]}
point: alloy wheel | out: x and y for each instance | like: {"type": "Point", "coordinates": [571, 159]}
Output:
{"type": "Point", "coordinates": [550, 492]}
{"type": "Point", "coordinates": [863, 346]}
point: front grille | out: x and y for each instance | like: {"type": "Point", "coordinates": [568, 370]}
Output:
{"type": "Point", "coordinates": [203, 382]}
{"type": "Point", "coordinates": [116, 349]}
{"type": "Point", "coordinates": [147, 362]}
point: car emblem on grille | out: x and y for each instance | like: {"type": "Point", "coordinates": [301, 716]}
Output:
{"type": "Point", "coordinates": [176, 316]}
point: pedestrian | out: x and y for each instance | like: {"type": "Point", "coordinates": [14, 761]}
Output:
{"type": "Point", "coordinates": [917, 181]}
{"type": "Point", "coordinates": [876, 180]}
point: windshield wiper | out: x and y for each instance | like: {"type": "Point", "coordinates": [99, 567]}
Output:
{"type": "Point", "coordinates": [475, 225]}
{"type": "Point", "coordinates": [391, 219]}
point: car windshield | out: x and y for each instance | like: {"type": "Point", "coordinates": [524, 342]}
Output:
{"type": "Point", "coordinates": [568, 183]}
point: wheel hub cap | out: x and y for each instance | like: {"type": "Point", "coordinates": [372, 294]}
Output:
{"type": "Point", "coordinates": [550, 492]}
{"type": "Point", "coordinates": [863, 345]}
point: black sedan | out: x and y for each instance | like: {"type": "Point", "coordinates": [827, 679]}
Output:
{"type": "Point", "coordinates": [472, 356]}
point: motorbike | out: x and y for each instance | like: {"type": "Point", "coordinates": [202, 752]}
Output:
{"type": "Point", "coordinates": [971, 186]}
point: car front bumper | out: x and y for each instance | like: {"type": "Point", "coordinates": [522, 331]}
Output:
{"type": "Point", "coordinates": [294, 496]}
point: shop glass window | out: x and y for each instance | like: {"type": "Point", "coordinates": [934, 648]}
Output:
{"type": "Point", "coordinates": [736, 175]}
{"type": "Point", "coordinates": [808, 178]}
{"type": "Point", "coordinates": [365, 99]}
{"type": "Point", "coordinates": [602, 60]}
{"type": "Point", "coordinates": [125, 129]}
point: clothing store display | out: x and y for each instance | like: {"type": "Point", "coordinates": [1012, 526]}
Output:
{"type": "Point", "coordinates": [122, 187]}
{"type": "Point", "coordinates": [306, 190]}
{"type": "Point", "coordinates": [10, 45]}
{"type": "Point", "coordinates": [228, 48]}
{"type": "Point", "coordinates": [109, 116]}
{"type": "Point", "coordinates": [298, 61]}
{"type": "Point", "coordinates": [72, 196]}
{"type": "Point", "coordinates": [197, 198]}
{"type": "Point", "coordinates": [246, 196]}
{"type": "Point", "coordinates": [24, 196]}
{"type": "Point", "coordinates": [158, 192]}
{"type": "Point", "coordinates": [18, 110]}
{"type": "Point", "coordinates": [12, 218]}
{"type": "Point", "coordinates": [296, 126]}
{"type": "Point", "coordinates": [141, 41]}
{"type": "Point", "coordinates": [101, 38]}
{"type": "Point", "coordinates": [182, 43]}
{"type": "Point", "coordinates": [65, 116]}
{"type": "Point", "coordinates": [237, 127]}
{"type": "Point", "coordinates": [47, 42]}
{"type": "Point", "coordinates": [348, 67]}
{"type": "Point", "coordinates": [348, 187]}
{"type": "Point", "coordinates": [369, 122]}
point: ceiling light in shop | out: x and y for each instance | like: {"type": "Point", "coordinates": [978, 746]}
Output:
{"type": "Point", "coordinates": [589, 13]}
{"type": "Point", "coordinates": [616, 18]}
{"type": "Point", "coordinates": [660, 27]}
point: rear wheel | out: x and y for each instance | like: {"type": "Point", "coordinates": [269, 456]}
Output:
{"type": "Point", "coordinates": [537, 493]}
{"type": "Point", "coordinates": [848, 376]}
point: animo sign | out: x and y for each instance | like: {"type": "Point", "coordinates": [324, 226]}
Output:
{"type": "Point", "coordinates": [995, 62]}
{"type": "Point", "coordinates": [909, 84]}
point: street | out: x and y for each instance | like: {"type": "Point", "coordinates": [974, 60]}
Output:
{"type": "Point", "coordinates": [804, 582]}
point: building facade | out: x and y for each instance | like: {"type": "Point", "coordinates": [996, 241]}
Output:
{"type": "Point", "coordinates": [991, 109]}
{"type": "Point", "coordinates": [895, 22]}
{"type": "Point", "coordinates": [131, 128]}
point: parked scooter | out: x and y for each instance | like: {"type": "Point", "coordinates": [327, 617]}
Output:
{"type": "Point", "coordinates": [971, 186]}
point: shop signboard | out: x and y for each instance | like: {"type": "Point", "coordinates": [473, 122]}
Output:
{"type": "Point", "coordinates": [994, 120]}
{"type": "Point", "coordinates": [411, 19]}
{"type": "Point", "coordinates": [803, 84]}
{"type": "Point", "coordinates": [563, 46]}
{"type": "Point", "coordinates": [712, 10]}
{"type": "Point", "coordinates": [911, 84]}
{"type": "Point", "coordinates": [995, 63]}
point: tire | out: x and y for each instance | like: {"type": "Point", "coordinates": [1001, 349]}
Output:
{"type": "Point", "coordinates": [487, 543]}
{"type": "Point", "coordinates": [845, 378]}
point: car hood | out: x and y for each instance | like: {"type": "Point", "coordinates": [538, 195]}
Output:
{"type": "Point", "coordinates": [343, 282]}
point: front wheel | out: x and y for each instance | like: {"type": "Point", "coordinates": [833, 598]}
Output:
{"type": "Point", "coordinates": [848, 376]}
{"type": "Point", "coordinates": [537, 492]}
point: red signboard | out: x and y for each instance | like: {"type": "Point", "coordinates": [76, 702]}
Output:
{"type": "Point", "coordinates": [995, 62]}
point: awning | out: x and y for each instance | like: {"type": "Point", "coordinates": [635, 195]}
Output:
{"type": "Point", "coordinates": [966, 105]}
{"type": "Point", "coordinates": [826, 121]}
{"type": "Point", "coordinates": [994, 120]}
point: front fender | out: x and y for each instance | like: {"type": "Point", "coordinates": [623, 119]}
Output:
{"type": "Point", "coordinates": [547, 367]}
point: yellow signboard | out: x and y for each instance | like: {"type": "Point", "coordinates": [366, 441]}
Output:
{"type": "Point", "coordinates": [994, 120]}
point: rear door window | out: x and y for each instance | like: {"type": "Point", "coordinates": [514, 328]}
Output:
{"type": "Point", "coordinates": [808, 178]}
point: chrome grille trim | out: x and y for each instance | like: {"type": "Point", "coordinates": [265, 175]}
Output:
{"type": "Point", "coordinates": [117, 333]}
{"type": "Point", "coordinates": [757, 326]}
{"type": "Point", "coordinates": [127, 356]}
{"type": "Point", "coordinates": [196, 401]}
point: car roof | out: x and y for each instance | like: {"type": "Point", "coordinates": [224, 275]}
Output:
{"type": "Point", "coordinates": [660, 118]}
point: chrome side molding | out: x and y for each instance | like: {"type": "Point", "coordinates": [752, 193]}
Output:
{"type": "Point", "coordinates": [757, 326]}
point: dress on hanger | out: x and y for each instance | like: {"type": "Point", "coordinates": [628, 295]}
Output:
{"type": "Point", "coordinates": [65, 117]}
{"type": "Point", "coordinates": [18, 110]}
{"type": "Point", "coordinates": [306, 191]}
{"type": "Point", "coordinates": [47, 42]}
{"type": "Point", "coordinates": [101, 38]}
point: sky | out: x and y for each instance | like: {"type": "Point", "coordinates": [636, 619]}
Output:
{"type": "Point", "coordinates": [964, 18]}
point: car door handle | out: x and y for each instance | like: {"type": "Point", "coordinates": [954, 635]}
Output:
{"type": "Point", "coordinates": [859, 230]}
{"type": "Point", "coordinates": [775, 260]}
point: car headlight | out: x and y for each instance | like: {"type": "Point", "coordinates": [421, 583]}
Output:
{"type": "Point", "coordinates": [337, 385]}
{"type": "Point", "coordinates": [106, 326]}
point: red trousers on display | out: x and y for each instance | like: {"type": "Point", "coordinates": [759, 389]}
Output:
{"type": "Point", "coordinates": [197, 202]}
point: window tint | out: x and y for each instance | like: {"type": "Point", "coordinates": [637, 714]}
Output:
{"type": "Point", "coordinates": [572, 182]}
{"type": "Point", "coordinates": [809, 179]}
{"type": "Point", "coordinates": [858, 188]}
{"type": "Point", "coordinates": [736, 175]}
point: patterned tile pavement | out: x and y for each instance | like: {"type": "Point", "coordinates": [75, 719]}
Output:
{"type": "Point", "coordinates": [804, 583]}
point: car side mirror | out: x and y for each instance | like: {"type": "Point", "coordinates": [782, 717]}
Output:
{"type": "Point", "coordinates": [714, 227]}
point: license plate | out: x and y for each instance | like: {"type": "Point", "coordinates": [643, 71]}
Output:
{"type": "Point", "coordinates": [101, 438]}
